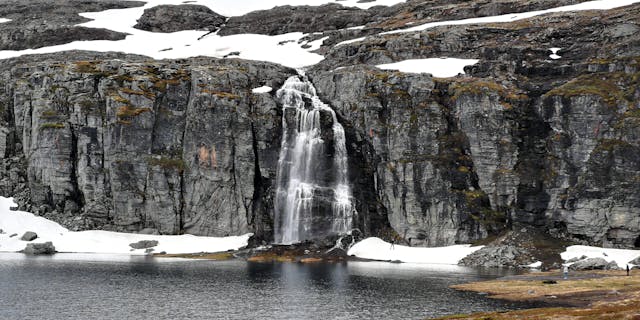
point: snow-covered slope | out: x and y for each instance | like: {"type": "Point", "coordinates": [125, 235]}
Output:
{"type": "Point", "coordinates": [620, 256]}
{"type": "Point", "coordinates": [377, 249]}
{"type": "Point", "coordinates": [18, 222]}
{"type": "Point", "coordinates": [284, 49]}
{"type": "Point", "coordinates": [589, 5]}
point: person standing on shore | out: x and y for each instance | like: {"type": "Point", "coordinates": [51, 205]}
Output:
{"type": "Point", "coordinates": [565, 273]}
{"type": "Point", "coordinates": [393, 241]}
{"type": "Point", "coordinates": [628, 270]}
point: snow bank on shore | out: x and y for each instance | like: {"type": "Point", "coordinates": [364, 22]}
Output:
{"type": "Point", "coordinates": [620, 256]}
{"type": "Point", "coordinates": [18, 222]}
{"type": "Point", "coordinates": [377, 249]}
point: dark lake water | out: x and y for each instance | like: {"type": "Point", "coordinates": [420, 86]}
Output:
{"type": "Point", "coordinates": [73, 286]}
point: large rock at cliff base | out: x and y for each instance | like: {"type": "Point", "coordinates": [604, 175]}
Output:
{"type": "Point", "coordinates": [635, 261]}
{"type": "Point", "coordinates": [500, 256]}
{"type": "Point", "coordinates": [590, 264]}
{"type": "Point", "coordinates": [171, 18]}
{"type": "Point", "coordinates": [39, 248]}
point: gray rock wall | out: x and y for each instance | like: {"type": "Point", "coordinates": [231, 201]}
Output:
{"type": "Point", "coordinates": [181, 147]}
{"type": "Point", "coordinates": [186, 147]}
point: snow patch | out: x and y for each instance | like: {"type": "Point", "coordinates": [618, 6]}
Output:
{"type": "Point", "coordinates": [350, 41]}
{"type": "Point", "coordinates": [438, 67]}
{"type": "Point", "coordinates": [3, 20]}
{"type": "Point", "coordinates": [263, 89]}
{"type": "Point", "coordinates": [620, 256]}
{"type": "Point", "coordinates": [535, 265]}
{"type": "Point", "coordinates": [589, 5]}
{"type": "Point", "coordinates": [554, 53]}
{"type": "Point", "coordinates": [282, 49]}
{"type": "Point", "coordinates": [18, 222]}
{"type": "Point", "coordinates": [377, 249]}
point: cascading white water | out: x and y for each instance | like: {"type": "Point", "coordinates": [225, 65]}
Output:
{"type": "Point", "coordinates": [313, 197]}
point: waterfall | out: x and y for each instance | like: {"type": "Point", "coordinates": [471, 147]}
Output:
{"type": "Point", "coordinates": [313, 198]}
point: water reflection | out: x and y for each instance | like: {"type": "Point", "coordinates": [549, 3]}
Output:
{"type": "Point", "coordinates": [117, 287]}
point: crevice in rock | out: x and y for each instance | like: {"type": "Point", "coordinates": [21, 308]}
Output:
{"type": "Point", "coordinates": [76, 194]}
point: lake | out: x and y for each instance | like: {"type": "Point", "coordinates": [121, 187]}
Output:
{"type": "Point", "coordinates": [76, 286]}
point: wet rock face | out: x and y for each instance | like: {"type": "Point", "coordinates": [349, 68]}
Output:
{"type": "Point", "coordinates": [178, 147]}
{"type": "Point", "coordinates": [457, 160]}
{"type": "Point", "coordinates": [405, 155]}
{"type": "Point", "coordinates": [173, 18]}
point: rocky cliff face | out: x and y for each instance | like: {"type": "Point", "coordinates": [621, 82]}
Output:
{"type": "Point", "coordinates": [456, 160]}
{"type": "Point", "coordinates": [185, 146]}
{"type": "Point", "coordinates": [180, 147]}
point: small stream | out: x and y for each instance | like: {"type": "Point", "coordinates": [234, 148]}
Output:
{"type": "Point", "coordinates": [76, 286]}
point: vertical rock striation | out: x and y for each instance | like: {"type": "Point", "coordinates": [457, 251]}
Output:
{"type": "Point", "coordinates": [180, 147]}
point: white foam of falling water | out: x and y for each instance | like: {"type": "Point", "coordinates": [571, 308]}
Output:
{"type": "Point", "coordinates": [554, 53]}
{"type": "Point", "coordinates": [299, 183]}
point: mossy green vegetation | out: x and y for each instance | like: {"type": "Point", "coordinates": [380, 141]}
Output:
{"type": "Point", "coordinates": [128, 111]}
{"type": "Point", "coordinates": [593, 85]}
{"type": "Point", "coordinates": [52, 125]}
{"type": "Point", "coordinates": [608, 145]}
{"type": "Point", "coordinates": [481, 86]}
{"type": "Point", "coordinates": [168, 163]}
{"type": "Point", "coordinates": [222, 94]}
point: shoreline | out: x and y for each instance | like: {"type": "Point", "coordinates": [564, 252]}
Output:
{"type": "Point", "coordinates": [584, 295]}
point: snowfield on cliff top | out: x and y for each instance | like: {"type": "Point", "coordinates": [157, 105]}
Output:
{"type": "Point", "coordinates": [19, 222]}
{"type": "Point", "coordinates": [377, 249]}
{"type": "Point", "coordinates": [438, 67]}
{"type": "Point", "coordinates": [285, 49]}
{"type": "Point", "coordinates": [621, 256]}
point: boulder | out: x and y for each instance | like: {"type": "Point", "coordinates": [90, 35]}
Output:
{"type": "Point", "coordinates": [144, 244]}
{"type": "Point", "coordinates": [635, 261]}
{"type": "Point", "coordinates": [39, 248]}
{"type": "Point", "coordinates": [572, 260]}
{"type": "Point", "coordinates": [590, 264]}
{"type": "Point", "coordinates": [307, 19]}
{"type": "Point", "coordinates": [612, 266]}
{"type": "Point", "coordinates": [173, 18]}
{"type": "Point", "coordinates": [497, 256]}
{"type": "Point", "coordinates": [29, 236]}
